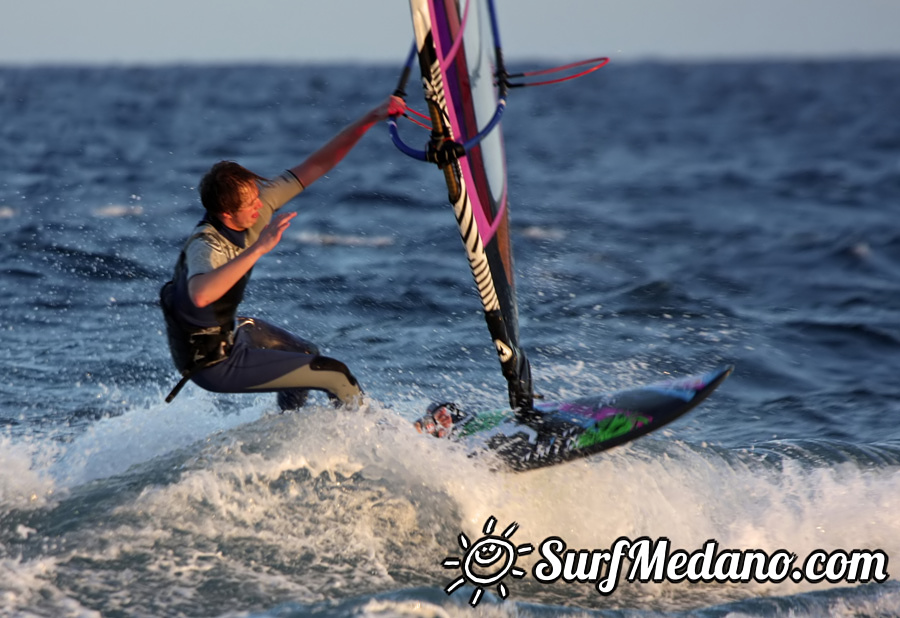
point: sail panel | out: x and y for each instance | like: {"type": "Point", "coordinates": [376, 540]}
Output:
{"type": "Point", "coordinates": [466, 53]}
{"type": "Point", "coordinates": [458, 57]}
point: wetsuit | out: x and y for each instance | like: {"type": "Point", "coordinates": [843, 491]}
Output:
{"type": "Point", "coordinates": [224, 353]}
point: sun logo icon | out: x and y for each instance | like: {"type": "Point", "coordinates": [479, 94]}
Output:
{"type": "Point", "coordinates": [487, 561]}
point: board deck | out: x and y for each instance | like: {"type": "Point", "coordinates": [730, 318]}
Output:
{"type": "Point", "coordinates": [561, 431]}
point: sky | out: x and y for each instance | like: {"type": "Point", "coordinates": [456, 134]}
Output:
{"type": "Point", "coordinates": [223, 31]}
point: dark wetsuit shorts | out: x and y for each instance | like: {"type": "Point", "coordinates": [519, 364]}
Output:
{"type": "Point", "coordinates": [265, 358]}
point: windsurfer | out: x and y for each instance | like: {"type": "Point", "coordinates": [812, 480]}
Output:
{"type": "Point", "coordinates": [210, 344]}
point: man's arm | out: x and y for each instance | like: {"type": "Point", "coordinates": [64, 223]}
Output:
{"type": "Point", "coordinates": [207, 288]}
{"type": "Point", "coordinates": [325, 158]}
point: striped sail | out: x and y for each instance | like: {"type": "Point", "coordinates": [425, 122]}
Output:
{"type": "Point", "coordinates": [458, 58]}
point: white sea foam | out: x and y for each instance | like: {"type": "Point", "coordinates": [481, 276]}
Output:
{"type": "Point", "coordinates": [314, 238]}
{"type": "Point", "coordinates": [337, 503]}
{"type": "Point", "coordinates": [118, 210]}
{"type": "Point", "coordinates": [24, 482]}
{"type": "Point", "coordinates": [147, 430]}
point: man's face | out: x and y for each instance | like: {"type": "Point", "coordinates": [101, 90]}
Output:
{"type": "Point", "coordinates": [248, 213]}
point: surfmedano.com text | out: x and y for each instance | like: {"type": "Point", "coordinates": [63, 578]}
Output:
{"type": "Point", "coordinates": [655, 561]}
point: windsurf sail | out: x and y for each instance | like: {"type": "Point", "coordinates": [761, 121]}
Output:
{"type": "Point", "coordinates": [461, 65]}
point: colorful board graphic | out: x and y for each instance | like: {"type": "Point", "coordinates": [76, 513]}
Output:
{"type": "Point", "coordinates": [553, 433]}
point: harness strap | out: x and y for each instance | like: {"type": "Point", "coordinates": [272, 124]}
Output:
{"type": "Point", "coordinates": [174, 392]}
{"type": "Point", "coordinates": [189, 373]}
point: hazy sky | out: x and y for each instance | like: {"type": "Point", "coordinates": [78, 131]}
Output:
{"type": "Point", "coordinates": [164, 31]}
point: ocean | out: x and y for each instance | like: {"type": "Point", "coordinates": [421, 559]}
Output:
{"type": "Point", "coordinates": [667, 218]}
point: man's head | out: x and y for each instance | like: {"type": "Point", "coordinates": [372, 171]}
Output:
{"type": "Point", "coordinates": [230, 193]}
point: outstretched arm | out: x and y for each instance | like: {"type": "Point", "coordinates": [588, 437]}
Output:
{"type": "Point", "coordinates": [325, 158]}
{"type": "Point", "coordinates": [209, 287]}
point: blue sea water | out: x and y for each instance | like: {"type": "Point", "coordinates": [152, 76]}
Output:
{"type": "Point", "coordinates": [667, 218]}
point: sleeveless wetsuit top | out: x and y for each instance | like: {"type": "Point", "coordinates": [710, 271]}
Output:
{"type": "Point", "coordinates": [202, 336]}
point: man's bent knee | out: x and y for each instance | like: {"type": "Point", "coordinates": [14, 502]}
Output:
{"type": "Point", "coordinates": [324, 363]}
{"type": "Point", "coordinates": [337, 379]}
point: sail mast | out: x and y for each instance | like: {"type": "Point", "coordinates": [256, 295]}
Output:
{"type": "Point", "coordinates": [460, 59]}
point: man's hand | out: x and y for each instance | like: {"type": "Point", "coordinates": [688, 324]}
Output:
{"type": "Point", "coordinates": [392, 106]}
{"type": "Point", "coordinates": [395, 106]}
{"type": "Point", "coordinates": [210, 287]}
{"type": "Point", "coordinates": [271, 234]}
